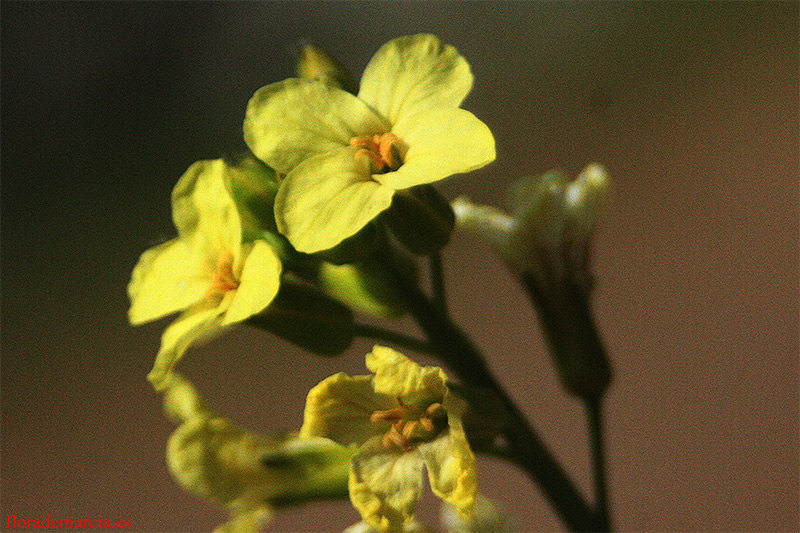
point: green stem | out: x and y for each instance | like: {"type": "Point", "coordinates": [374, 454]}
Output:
{"type": "Point", "coordinates": [594, 410]}
{"type": "Point", "coordinates": [369, 331]}
{"type": "Point", "coordinates": [437, 281]}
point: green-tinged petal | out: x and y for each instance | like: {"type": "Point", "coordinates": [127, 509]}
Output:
{"type": "Point", "coordinates": [385, 486]}
{"type": "Point", "coordinates": [412, 74]}
{"type": "Point", "coordinates": [339, 408]}
{"type": "Point", "coordinates": [195, 324]}
{"type": "Point", "coordinates": [397, 376]}
{"type": "Point", "coordinates": [292, 120]}
{"type": "Point", "coordinates": [220, 462]}
{"type": "Point", "coordinates": [246, 521]}
{"type": "Point", "coordinates": [451, 467]}
{"type": "Point", "coordinates": [327, 199]}
{"type": "Point", "coordinates": [182, 401]}
{"type": "Point", "coordinates": [258, 283]}
{"type": "Point", "coordinates": [202, 202]}
{"type": "Point", "coordinates": [487, 517]}
{"type": "Point", "coordinates": [168, 278]}
{"type": "Point", "coordinates": [441, 142]}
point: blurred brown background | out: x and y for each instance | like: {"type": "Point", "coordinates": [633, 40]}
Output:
{"type": "Point", "coordinates": [692, 106]}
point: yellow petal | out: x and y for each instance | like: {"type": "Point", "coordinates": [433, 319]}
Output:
{"type": "Point", "coordinates": [451, 467]}
{"type": "Point", "coordinates": [339, 408]}
{"type": "Point", "coordinates": [196, 324]}
{"type": "Point", "coordinates": [441, 142]}
{"type": "Point", "coordinates": [182, 401]}
{"type": "Point", "coordinates": [258, 283]}
{"type": "Point", "coordinates": [327, 199]}
{"type": "Point", "coordinates": [385, 486]}
{"type": "Point", "coordinates": [397, 376]}
{"type": "Point", "coordinates": [413, 74]}
{"type": "Point", "coordinates": [293, 120]}
{"type": "Point", "coordinates": [202, 203]}
{"type": "Point", "coordinates": [168, 278]}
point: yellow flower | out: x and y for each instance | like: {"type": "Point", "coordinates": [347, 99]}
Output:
{"type": "Point", "coordinates": [344, 156]}
{"type": "Point", "coordinates": [207, 271]}
{"type": "Point", "coordinates": [250, 475]}
{"type": "Point", "coordinates": [401, 418]}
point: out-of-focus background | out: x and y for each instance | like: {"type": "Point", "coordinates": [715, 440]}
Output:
{"type": "Point", "coordinates": [692, 106]}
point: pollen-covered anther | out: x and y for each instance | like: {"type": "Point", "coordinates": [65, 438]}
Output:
{"type": "Point", "coordinates": [223, 280]}
{"type": "Point", "coordinates": [382, 150]}
{"type": "Point", "coordinates": [410, 425]}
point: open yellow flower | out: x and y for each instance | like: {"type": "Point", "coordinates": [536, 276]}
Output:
{"type": "Point", "coordinates": [249, 474]}
{"type": "Point", "coordinates": [206, 271]}
{"type": "Point", "coordinates": [345, 156]}
{"type": "Point", "coordinates": [402, 418]}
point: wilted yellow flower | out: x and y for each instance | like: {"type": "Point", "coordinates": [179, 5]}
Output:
{"type": "Point", "coordinates": [249, 474]}
{"type": "Point", "coordinates": [401, 418]}
{"type": "Point", "coordinates": [344, 156]}
{"type": "Point", "coordinates": [207, 271]}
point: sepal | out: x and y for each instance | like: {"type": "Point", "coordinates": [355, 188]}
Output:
{"type": "Point", "coordinates": [308, 318]}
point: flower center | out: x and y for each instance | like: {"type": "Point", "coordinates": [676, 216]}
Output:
{"type": "Point", "coordinates": [223, 280]}
{"type": "Point", "coordinates": [410, 425]}
{"type": "Point", "coordinates": [382, 151]}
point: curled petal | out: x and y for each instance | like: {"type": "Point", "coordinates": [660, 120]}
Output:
{"type": "Point", "coordinates": [328, 198]}
{"type": "Point", "coordinates": [295, 119]}
{"type": "Point", "coordinates": [385, 486]}
{"type": "Point", "coordinates": [413, 74]}
{"type": "Point", "coordinates": [339, 408]}
{"type": "Point", "coordinates": [197, 323]}
{"type": "Point", "coordinates": [258, 283]}
{"type": "Point", "coordinates": [398, 376]}
{"type": "Point", "coordinates": [451, 468]}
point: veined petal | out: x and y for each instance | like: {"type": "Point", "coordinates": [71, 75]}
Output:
{"type": "Point", "coordinates": [398, 376]}
{"type": "Point", "coordinates": [202, 203]}
{"type": "Point", "coordinates": [385, 486]}
{"type": "Point", "coordinates": [339, 408]}
{"type": "Point", "coordinates": [293, 120]}
{"type": "Point", "coordinates": [441, 142]}
{"type": "Point", "coordinates": [328, 198]}
{"type": "Point", "coordinates": [213, 458]}
{"type": "Point", "coordinates": [195, 324]}
{"type": "Point", "coordinates": [168, 278]}
{"type": "Point", "coordinates": [258, 283]}
{"type": "Point", "coordinates": [413, 74]}
{"type": "Point", "coordinates": [451, 468]}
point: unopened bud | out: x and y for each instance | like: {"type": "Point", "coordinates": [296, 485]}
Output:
{"type": "Point", "coordinates": [421, 219]}
{"type": "Point", "coordinates": [363, 286]}
{"type": "Point", "coordinates": [308, 318]}
{"type": "Point", "coordinates": [314, 63]}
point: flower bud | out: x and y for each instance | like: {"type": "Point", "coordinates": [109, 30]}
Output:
{"type": "Point", "coordinates": [421, 219]}
{"type": "Point", "coordinates": [314, 63]}
{"type": "Point", "coordinates": [362, 286]}
{"type": "Point", "coordinates": [308, 318]}
{"type": "Point", "coordinates": [253, 186]}
{"type": "Point", "coordinates": [546, 241]}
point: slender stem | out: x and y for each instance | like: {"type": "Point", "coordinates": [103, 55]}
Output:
{"type": "Point", "coordinates": [594, 410]}
{"type": "Point", "coordinates": [437, 281]}
{"type": "Point", "coordinates": [369, 331]}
